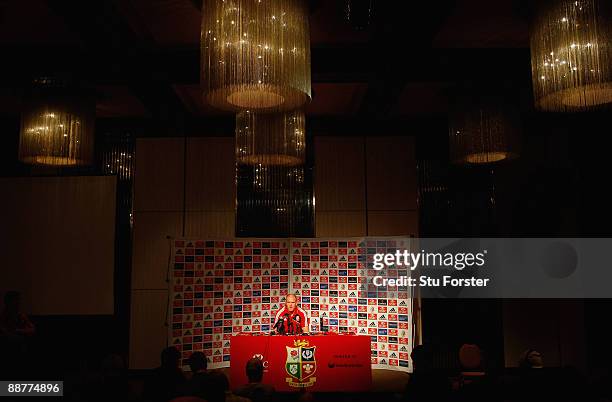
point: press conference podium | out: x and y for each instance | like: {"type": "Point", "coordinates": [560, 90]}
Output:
{"type": "Point", "coordinates": [320, 363]}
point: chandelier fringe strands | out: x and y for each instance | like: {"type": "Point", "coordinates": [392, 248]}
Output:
{"type": "Point", "coordinates": [255, 54]}
{"type": "Point", "coordinates": [481, 133]}
{"type": "Point", "coordinates": [571, 55]}
{"type": "Point", "coordinates": [270, 139]}
{"type": "Point", "coordinates": [118, 156]}
{"type": "Point", "coordinates": [273, 200]}
{"type": "Point", "coordinates": [57, 128]}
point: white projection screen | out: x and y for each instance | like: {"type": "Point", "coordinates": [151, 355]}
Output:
{"type": "Point", "coordinates": [58, 243]}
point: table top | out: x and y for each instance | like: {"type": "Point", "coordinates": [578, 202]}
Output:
{"type": "Point", "coordinates": [303, 334]}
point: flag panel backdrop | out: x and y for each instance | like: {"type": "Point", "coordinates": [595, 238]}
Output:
{"type": "Point", "coordinates": [220, 287]}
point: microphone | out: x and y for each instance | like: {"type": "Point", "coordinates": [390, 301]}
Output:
{"type": "Point", "coordinates": [279, 326]}
{"type": "Point", "coordinates": [294, 325]}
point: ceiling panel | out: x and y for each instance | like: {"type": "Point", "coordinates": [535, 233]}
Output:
{"type": "Point", "coordinates": [116, 101]}
{"type": "Point", "coordinates": [10, 103]}
{"type": "Point", "coordinates": [191, 96]}
{"type": "Point", "coordinates": [329, 26]}
{"type": "Point", "coordinates": [485, 24]}
{"type": "Point", "coordinates": [171, 23]}
{"type": "Point", "coordinates": [336, 98]}
{"type": "Point", "coordinates": [33, 23]}
{"type": "Point", "coordinates": [422, 99]}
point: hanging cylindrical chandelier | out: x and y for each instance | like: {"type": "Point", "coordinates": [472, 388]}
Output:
{"type": "Point", "coordinates": [57, 127]}
{"type": "Point", "coordinates": [571, 55]}
{"type": "Point", "coordinates": [255, 54]}
{"type": "Point", "coordinates": [270, 139]}
{"type": "Point", "coordinates": [483, 133]}
{"type": "Point", "coordinates": [117, 158]}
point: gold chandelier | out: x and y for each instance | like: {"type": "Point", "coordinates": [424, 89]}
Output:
{"type": "Point", "coordinates": [117, 158]}
{"type": "Point", "coordinates": [255, 54]}
{"type": "Point", "coordinates": [270, 139]}
{"type": "Point", "coordinates": [57, 129]}
{"type": "Point", "coordinates": [571, 55]}
{"type": "Point", "coordinates": [483, 133]}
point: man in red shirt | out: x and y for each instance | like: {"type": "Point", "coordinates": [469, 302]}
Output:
{"type": "Point", "coordinates": [290, 320]}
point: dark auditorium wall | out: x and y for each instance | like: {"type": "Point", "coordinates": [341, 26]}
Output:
{"type": "Point", "coordinates": [555, 328]}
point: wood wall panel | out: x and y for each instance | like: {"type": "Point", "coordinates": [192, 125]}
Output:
{"type": "Point", "coordinates": [148, 332]}
{"type": "Point", "coordinates": [210, 224]}
{"type": "Point", "coordinates": [340, 224]}
{"type": "Point", "coordinates": [393, 223]}
{"type": "Point", "coordinates": [57, 236]}
{"type": "Point", "coordinates": [158, 177]}
{"type": "Point", "coordinates": [339, 181]}
{"type": "Point", "coordinates": [391, 173]}
{"type": "Point", "coordinates": [151, 247]}
{"type": "Point", "coordinates": [210, 174]}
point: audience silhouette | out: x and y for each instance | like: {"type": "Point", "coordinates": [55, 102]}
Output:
{"type": "Point", "coordinates": [166, 381]}
{"type": "Point", "coordinates": [219, 389]}
{"type": "Point", "coordinates": [426, 384]}
{"type": "Point", "coordinates": [15, 331]}
{"type": "Point", "coordinates": [255, 390]}
{"type": "Point", "coordinates": [109, 379]}
{"type": "Point", "coordinates": [198, 383]}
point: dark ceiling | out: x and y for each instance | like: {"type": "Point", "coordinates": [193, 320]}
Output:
{"type": "Point", "coordinates": [142, 58]}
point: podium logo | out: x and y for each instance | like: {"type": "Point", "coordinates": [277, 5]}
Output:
{"type": "Point", "coordinates": [301, 364]}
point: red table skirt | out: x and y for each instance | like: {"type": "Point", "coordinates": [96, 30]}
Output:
{"type": "Point", "coordinates": [326, 363]}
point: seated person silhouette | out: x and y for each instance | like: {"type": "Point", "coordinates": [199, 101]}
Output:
{"type": "Point", "coordinates": [291, 319]}
{"type": "Point", "coordinates": [256, 390]}
{"type": "Point", "coordinates": [13, 322]}
{"type": "Point", "coordinates": [16, 329]}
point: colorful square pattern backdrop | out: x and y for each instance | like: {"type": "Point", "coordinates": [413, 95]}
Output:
{"type": "Point", "coordinates": [219, 288]}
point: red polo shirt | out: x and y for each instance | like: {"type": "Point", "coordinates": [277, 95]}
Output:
{"type": "Point", "coordinates": [296, 319]}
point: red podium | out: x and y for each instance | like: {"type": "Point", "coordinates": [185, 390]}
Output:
{"type": "Point", "coordinates": [325, 363]}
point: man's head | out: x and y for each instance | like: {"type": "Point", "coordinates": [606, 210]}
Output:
{"type": "Point", "coordinates": [422, 358]}
{"type": "Point", "coordinates": [197, 362]}
{"type": "Point", "coordinates": [291, 302]}
{"type": "Point", "coordinates": [531, 359]}
{"type": "Point", "coordinates": [254, 369]}
{"type": "Point", "coordinates": [170, 357]}
{"type": "Point", "coordinates": [11, 301]}
{"type": "Point", "coordinates": [217, 385]}
{"type": "Point", "coordinates": [535, 359]}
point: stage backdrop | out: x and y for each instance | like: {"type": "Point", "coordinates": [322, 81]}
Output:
{"type": "Point", "coordinates": [220, 287]}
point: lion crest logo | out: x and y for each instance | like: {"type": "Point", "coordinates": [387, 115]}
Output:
{"type": "Point", "coordinates": [301, 364]}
